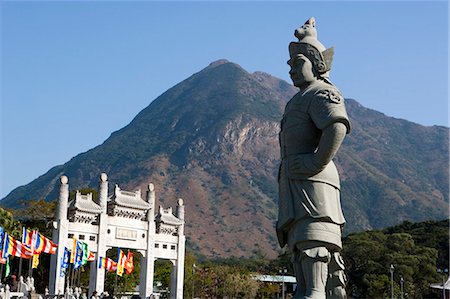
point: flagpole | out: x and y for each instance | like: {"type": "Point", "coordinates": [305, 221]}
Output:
{"type": "Point", "coordinates": [24, 232]}
{"type": "Point", "coordinates": [20, 268]}
{"type": "Point", "coordinates": [30, 269]}
{"type": "Point", "coordinates": [68, 275]}
{"type": "Point", "coordinates": [1, 272]}
{"type": "Point", "coordinates": [115, 286]}
{"type": "Point", "coordinates": [33, 240]}
{"type": "Point", "coordinates": [126, 280]}
{"type": "Point", "coordinates": [79, 277]}
{"type": "Point", "coordinates": [73, 276]}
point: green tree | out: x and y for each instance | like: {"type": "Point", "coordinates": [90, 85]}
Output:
{"type": "Point", "coordinates": [368, 256]}
{"type": "Point", "coordinates": [37, 214]}
{"type": "Point", "coordinates": [9, 224]}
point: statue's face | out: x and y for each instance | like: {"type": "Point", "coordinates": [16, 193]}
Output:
{"type": "Point", "coordinates": [301, 71]}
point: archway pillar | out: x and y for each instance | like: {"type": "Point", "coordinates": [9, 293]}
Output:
{"type": "Point", "coordinates": [146, 275]}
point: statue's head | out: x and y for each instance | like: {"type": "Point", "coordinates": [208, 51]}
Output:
{"type": "Point", "coordinates": [308, 52]}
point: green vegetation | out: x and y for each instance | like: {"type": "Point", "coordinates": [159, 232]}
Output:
{"type": "Point", "coordinates": [9, 224]}
{"type": "Point", "coordinates": [416, 250]}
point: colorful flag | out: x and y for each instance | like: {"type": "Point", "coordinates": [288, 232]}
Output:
{"type": "Point", "coordinates": [35, 260]}
{"type": "Point", "coordinates": [8, 268]}
{"type": "Point", "coordinates": [129, 265]}
{"type": "Point", "coordinates": [2, 235]}
{"type": "Point", "coordinates": [91, 256]}
{"type": "Point", "coordinates": [121, 262]}
{"type": "Point", "coordinates": [2, 259]}
{"type": "Point", "coordinates": [78, 256]}
{"type": "Point", "coordinates": [88, 256]}
{"type": "Point", "coordinates": [64, 262]}
{"type": "Point", "coordinates": [15, 248]}
{"type": "Point", "coordinates": [27, 237]}
{"type": "Point", "coordinates": [107, 263]}
{"type": "Point", "coordinates": [73, 251]}
{"type": "Point", "coordinates": [84, 258]}
{"type": "Point", "coordinates": [43, 244]}
{"type": "Point", "coordinates": [4, 243]}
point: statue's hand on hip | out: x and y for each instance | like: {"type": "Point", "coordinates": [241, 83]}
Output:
{"type": "Point", "coordinates": [303, 164]}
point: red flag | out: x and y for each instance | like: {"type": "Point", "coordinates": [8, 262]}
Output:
{"type": "Point", "coordinates": [2, 259]}
{"type": "Point", "coordinates": [129, 265]}
{"type": "Point", "coordinates": [91, 256]}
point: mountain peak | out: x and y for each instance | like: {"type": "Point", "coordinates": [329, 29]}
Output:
{"type": "Point", "coordinates": [213, 140]}
{"type": "Point", "coordinates": [217, 63]}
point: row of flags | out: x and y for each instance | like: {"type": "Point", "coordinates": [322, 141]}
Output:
{"type": "Point", "coordinates": [34, 243]}
{"type": "Point", "coordinates": [30, 247]}
{"type": "Point", "coordinates": [78, 255]}
{"type": "Point", "coordinates": [37, 242]}
{"type": "Point", "coordinates": [124, 263]}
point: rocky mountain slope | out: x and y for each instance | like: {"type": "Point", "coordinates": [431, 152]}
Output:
{"type": "Point", "coordinates": [213, 140]}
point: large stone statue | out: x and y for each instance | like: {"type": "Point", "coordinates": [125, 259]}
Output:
{"type": "Point", "coordinates": [313, 127]}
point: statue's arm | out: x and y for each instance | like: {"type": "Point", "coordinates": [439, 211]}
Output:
{"type": "Point", "coordinates": [330, 141]}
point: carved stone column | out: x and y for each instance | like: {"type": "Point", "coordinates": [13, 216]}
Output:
{"type": "Point", "coordinates": [148, 259]}
{"type": "Point", "coordinates": [60, 230]}
{"type": "Point", "coordinates": [97, 276]}
{"type": "Point", "coordinates": [181, 252]}
{"type": "Point", "coordinates": [174, 280]}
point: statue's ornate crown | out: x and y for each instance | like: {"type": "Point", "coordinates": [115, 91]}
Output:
{"type": "Point", "coordinates": [309, 45]}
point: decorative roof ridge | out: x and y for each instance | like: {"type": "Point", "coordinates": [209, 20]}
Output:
{"type": "Point", "coordinates": [166, 216]}
{"type": "Point", "coordinates": [129, 199]}
{"type": "Point", "coordinates": [84, 203]}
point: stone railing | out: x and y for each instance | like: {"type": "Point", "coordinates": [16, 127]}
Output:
{"type": "Point", "coordinates": [5, 293]}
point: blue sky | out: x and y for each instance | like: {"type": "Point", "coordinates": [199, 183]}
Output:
{"type": "Point", "coordinates": [74, 72]}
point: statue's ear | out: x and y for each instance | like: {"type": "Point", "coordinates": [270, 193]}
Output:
{"type": "Point", "coordinates": [311, 21]}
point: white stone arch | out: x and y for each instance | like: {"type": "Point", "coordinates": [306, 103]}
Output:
{"type": "Point", "coordinates": [126, 221]}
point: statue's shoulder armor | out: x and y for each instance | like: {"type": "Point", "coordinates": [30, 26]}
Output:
{"type": "Point", "coordinates": [327, 105]}
{"type": "Point", "coordinates": [327, 93]}
{"type": "Point", "coordinates": [331, 94]}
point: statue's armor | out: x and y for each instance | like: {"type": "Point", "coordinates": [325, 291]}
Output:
{"type": "Point", "coordinates": [309, 202]}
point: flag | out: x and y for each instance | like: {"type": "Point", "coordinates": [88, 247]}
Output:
{"type": "Point", "coordinates": [43, 244]}
{"type": "Point", "coordinates": [121, 262]}
{"type": "Point", "coordinates": [64, 262]}
{"type": "Point", "coordinates": [73, 251]}
{"type": "Point", "coordinates": [8, 269]}
{"type": "Point", "coordinates": [88, 256]}
{"type": "Point", "coordinates": [27, 237]}
{"type": "Point", "coordinates": [91, 256]}
{"type": "Point", "coordinates": [15, 248]}
{"type": "Point", "coordinates": [35, 260]}
{"type": "Point", "coordinates": [84, 258]}
{"type": "Point", "coordinates": [2, 235]}
{"type": "Point", "coordinates": [107, 263]}
{"type": "Point", "coordinates": [65, 259]}
{"type": "Point", "coordinates": [2, 259]}
{"type": "Point", "coordinates": [78, 256]}
{"type": "Point", "coordinates": [129, 265]}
